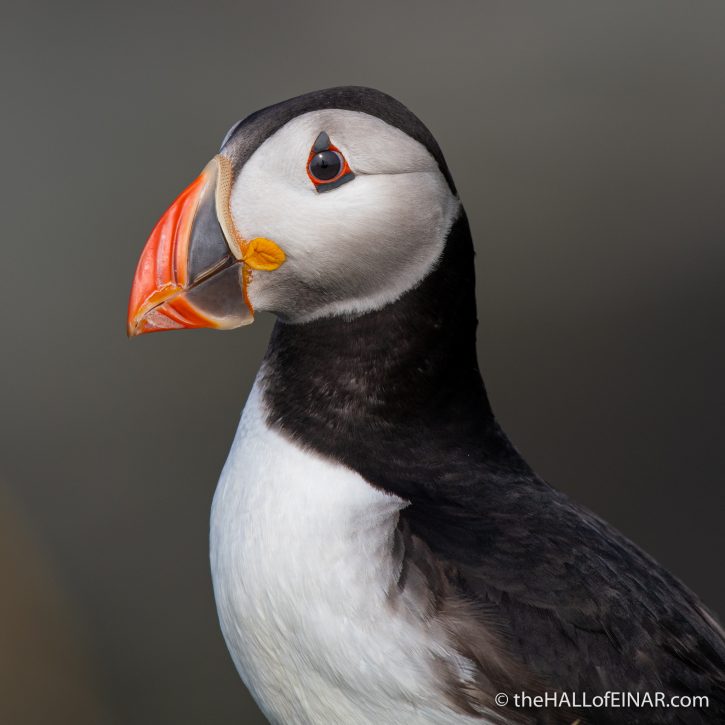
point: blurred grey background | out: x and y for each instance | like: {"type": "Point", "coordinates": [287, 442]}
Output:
{"type": "Point", "coordinates": [588, 144]}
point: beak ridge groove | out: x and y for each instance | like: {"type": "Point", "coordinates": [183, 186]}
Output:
{"type": "Point", "coordinates": [187, 276]}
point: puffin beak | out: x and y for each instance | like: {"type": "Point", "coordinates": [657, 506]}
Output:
{"type": "Point", "coordinates": [194, 269]}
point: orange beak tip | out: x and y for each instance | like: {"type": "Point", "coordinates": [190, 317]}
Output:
{"type": "Point", "coordinates": [188, 275]}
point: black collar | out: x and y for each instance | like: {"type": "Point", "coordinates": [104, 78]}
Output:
{"type": "Point", "coordinates": [396, 394]}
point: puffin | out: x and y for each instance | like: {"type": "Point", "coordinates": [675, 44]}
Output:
{"type": "Point", "coordinates": [380, 551]}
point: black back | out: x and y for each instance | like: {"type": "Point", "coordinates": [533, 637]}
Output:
{"type": "Point", "coordinates": [562, 598]}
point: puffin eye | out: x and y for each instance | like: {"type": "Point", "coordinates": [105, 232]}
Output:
{"type": "Point", "coordinates": [326, 166]}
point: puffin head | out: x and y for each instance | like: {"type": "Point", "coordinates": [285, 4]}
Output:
{"type": "Point", "coordinates": [332, 203]}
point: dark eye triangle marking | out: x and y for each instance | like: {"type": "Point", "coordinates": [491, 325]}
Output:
{"type": "Point", "coordinates": [322, 143]}
{"type": "Point", "coordinates": [334, 184]}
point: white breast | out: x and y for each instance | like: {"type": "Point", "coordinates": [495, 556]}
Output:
{"type": "Point", "coordinates": [302, 563]}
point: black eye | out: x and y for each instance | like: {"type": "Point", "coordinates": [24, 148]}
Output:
{"type": "Point", "coordinates": [326, 165]}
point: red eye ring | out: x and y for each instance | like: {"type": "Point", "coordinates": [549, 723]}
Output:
{"type": "Point", "coordinates": [327, 167]}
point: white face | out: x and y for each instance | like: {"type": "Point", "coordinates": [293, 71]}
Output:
{"type": "Point", "coordinates": [353, 248]}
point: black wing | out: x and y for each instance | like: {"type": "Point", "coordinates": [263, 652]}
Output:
{"type": "Point", "coordinates": [543, 596]}
{"type": "Point", "coordinates": [537, 593]}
